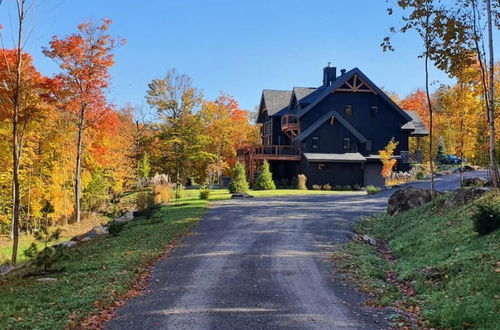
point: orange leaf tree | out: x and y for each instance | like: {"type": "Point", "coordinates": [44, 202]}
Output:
{"type": "Point", "coordinates": [85, 58]}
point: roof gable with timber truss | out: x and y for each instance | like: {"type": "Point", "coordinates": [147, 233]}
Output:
{"type": "Point", "coordinates": [354, 81]}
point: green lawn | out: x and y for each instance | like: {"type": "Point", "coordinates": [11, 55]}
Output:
{"type": "Point", "coordinates": [455, 272]}
{"type": "Point", "coordinates": [97, 271]}
{"type": "Point", "coordinates": [221, 194]}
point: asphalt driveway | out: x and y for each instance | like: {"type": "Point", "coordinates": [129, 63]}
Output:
{"type": "Point", "coordinates": [262, 264]}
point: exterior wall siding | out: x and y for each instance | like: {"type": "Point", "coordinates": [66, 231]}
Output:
{"type": "Point", "coordinates": [379, 128]}
{"type": "Point", "coordinates": [332, 173]}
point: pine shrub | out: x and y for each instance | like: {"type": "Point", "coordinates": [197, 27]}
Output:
{"type": "Point", "coordinates": [239, 183]}
{"type": "Point", "coordinates": [372, 189]}
{"type": "Point", "coordinates": [265, 178]}
{"type": "Point", "coordinates": [486, 219]}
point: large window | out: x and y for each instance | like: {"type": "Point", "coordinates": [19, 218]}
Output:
{"type": "Point", "coordinates": [315, 142]}
{"type": "Point", "coordinates": [348, 110]}
{"type": "Point", "coordinates": [347, 144]}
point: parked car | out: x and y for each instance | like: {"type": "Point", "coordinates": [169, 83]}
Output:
{"type": "Point", "coordinates": [452, 159]}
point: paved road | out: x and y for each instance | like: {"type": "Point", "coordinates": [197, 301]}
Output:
{"type": "Point", "coordinates": [262, 264]}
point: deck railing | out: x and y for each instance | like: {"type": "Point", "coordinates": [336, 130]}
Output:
{"type": "Point", "coordinates": [272, 151]}
{"type": "Point", "coordinates": [289, 122]}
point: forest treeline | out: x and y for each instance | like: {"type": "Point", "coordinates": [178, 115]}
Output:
{"type": "Point", "coordinates": [65, 122]}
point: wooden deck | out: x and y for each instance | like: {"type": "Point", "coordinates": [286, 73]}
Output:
{"type": "Point", "coordinates": [273, 152]}
{"type": "Point", "coordinates": [254, 156]}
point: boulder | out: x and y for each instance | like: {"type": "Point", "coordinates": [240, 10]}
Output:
{"type": "Point", "coordinates": [66, 244]}
{"type": "Point", "coordinates": [370, 240]}
{"type": "Point", "coordinates": [474, 182]}
{"type": "Point", "coordinates": [129, 216]}
{"type": "Point", "coordinates": [6, 269]}
{"type": "Point", "coordinates": [407, 199]}
{"type": "Point", "coordinates": [241, 196]}
{"type": "Point", "coordinates": [96, 231]}
{"type": "Point", "coordinates": [47, 280]}
{"type": "Point", "coordinates": [467, 168]}
{"type": "Point", "coordinates": [462, 196]}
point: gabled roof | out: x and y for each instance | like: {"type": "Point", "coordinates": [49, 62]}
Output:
{"type": "Point", "coordinates": [326, 117]}
{"type": "Point", "coordinates": [302, 92]}
{"type": "Point", "coordinates": [344, 78]}
{"type": "Point", "coordinates": [335, 158]}
{"type": "Point", "coordinates": [416, 125]}
{"type": "Point", "coordinates": [275, 100]}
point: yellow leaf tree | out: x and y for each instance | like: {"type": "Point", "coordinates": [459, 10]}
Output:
{"type": "Point", "coordinates": [388, 162]}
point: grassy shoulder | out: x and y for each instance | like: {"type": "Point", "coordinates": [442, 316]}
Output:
{"type": "Point", "coordinates": [455, 272]}
{"type": "Point", "coordinates": [95, 274]}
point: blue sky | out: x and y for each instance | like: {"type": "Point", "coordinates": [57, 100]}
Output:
{"type": "Point", "coordinates": [239, 47]}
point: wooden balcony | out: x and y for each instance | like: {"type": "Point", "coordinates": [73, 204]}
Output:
{"type": "Point", "coordinates": [272, 152]}
{"type": "Point", "coordinates": [290, 123]}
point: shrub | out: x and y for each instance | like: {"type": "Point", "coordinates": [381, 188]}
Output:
{"type": "Point", "coordinates": [326, 187]}
{"type": "Point", "coordinates": [49, 254]}
{"type": "Point", "coordinates": [239, 183]}
{"type": "Point", "coordinates": [372, 190]}
{"type": "Point", "coordinates": [265, 178]}
{"type": "Point", "coordinates": [97, 193]}
{"type": "Point", "coordinates": [356, 187]}
{"type": "Point", "coordinates": [346, 187]}
{"type": "Point", "coordinates": [144, 200]}
{"type": "Point", "coordinates": [162, 193]}
{"type": "Point", "coordinates": [337, 187]}
{"type": "Point", "coordinates": [316, 187]}
{"type": "Point", "coordinates": [115, 227]}
{"type": "Point", "coordinates": [204, 192]}
{"type": "Point", "coordinates": [420, 176]}
{"type": "Point", "coordinates": [301, 182]}
{"type": "Point", "coordinates": [283, 183]}
{"type": "Point", "coordinates": [486, 218]}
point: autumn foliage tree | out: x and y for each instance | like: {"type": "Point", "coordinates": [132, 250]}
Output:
{"type": "Point", "coordinates": [85, 58]}
{"type": "Point", "coordinates": [21, 93]}
{"type": "Point", "coordinates": [388, 162]}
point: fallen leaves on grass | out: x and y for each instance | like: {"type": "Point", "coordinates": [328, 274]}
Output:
{"type": "Point", "coordinates": [106, 308]}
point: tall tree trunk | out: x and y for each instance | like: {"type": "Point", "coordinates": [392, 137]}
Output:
{"type": "Point", "coordinates": [429, 104]}
{"type": "Point", "coordinates": [78, 167]}
{"type": "Point", "coordinates": [491, 102]}
{"type": "Point", "coordinates": [16, 143]}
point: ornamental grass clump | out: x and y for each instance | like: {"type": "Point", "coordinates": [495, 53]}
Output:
{"type": "Point", "coordinates": [239, 183]}
{"type": "Point", "coordinates": [301, 182]}
{"type": "Point", "coordinates": [265, 178]}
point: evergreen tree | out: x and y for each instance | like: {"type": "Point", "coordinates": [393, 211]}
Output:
{"type": "Point", "coordinates": [239, 183]}
{"type": "Point", "coordinates": [144, 166]}
{"type": "Point", "coordinates": [265, 178]}
{"type": "Point", "coordinates": [441, 151]}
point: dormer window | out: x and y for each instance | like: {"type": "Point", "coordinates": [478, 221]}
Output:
{"type": "Point", "coordinates": [348, 110]}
